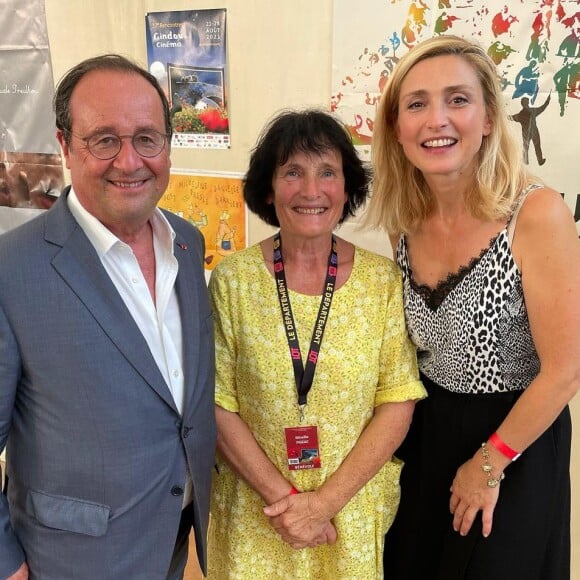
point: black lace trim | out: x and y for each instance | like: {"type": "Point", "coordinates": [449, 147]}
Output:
{"type": "Point", "coordinates": [434, 297]}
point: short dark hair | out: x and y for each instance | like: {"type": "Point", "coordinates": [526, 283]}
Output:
{"type": "Point", "coordinates": [106, 62]}
{"type": "Point", "coordinates": [308, 131]}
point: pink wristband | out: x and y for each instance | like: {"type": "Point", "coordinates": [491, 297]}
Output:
{"type": "Point", "coordinates": [503, 448]}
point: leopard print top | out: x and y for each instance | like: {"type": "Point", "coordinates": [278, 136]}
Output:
{"type": "Point", "coordinates": [472, 331]}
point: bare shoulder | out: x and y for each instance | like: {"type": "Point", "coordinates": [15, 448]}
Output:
{"type": "Point", "coordinates": [545, 225]}
{"type": "Point", "coordinates": [544, 207]}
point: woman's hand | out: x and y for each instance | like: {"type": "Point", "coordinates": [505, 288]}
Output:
{"type": "Point", "coordinates": [470, 494]}
{"type": "Point", "coordinates": [302, 520]}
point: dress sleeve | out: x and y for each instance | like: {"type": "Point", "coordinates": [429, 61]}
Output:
{"type": "Point", "coordinates": [225, 339]}
{"type": "Point", "coordinates": [398, 371]}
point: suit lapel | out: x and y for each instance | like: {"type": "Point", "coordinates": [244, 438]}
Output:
{"type": "Point", "coordinates": [81, 268]}
{"type": "Point", "coordinates": [187, 289]}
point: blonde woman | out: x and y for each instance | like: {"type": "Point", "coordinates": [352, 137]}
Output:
{"type": "Point", "coordinates": [491, 269]}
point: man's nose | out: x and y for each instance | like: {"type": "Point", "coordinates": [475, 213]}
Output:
{"type": "Point", "coordinates": [128, 159]}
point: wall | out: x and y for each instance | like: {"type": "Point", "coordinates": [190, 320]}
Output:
{"type": "Point", "coordinates": [279, 56]}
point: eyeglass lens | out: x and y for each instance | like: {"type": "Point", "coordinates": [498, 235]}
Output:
{"type": "Point", "coordinates": [107, 146]}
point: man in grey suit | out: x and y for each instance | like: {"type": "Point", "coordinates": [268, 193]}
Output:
{"type": "Point", "coordinates": [106, 352]}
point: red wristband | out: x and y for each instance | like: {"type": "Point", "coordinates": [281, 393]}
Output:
{"type": "Point", "coordinates": [503, 448]}
{"type": "Point", "coordinates": [293, 491]}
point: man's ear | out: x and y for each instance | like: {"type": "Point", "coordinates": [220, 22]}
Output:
{"type": "Point", "coordinates": [64, 146]}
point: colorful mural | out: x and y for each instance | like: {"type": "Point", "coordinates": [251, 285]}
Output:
{"type": "Point", "coordinates": [534, 43]}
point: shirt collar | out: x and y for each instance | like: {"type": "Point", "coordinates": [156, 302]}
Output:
{"type": "Point", "coordinates": [104, 239]}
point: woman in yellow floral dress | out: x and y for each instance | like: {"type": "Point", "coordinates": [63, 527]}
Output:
{"type": "Point", "coordinates": [316, 377]}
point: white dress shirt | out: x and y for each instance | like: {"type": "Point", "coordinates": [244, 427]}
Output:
{"type": "Point", "coordinates": [159, 321]}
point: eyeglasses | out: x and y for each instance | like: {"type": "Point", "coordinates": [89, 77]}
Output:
{"type": "Point", "coordinates": [105, 146]}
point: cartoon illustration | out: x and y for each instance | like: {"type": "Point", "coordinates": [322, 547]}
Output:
{"type": "Point", "coordinates": [214, 204]}
{"type": "Point", "coordinates": [198, 218]}
{"type": "Point", "coordinates": [224, 241]}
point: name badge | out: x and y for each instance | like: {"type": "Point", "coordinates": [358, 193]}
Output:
{"type": "Point", "coordinates": [302, 447]}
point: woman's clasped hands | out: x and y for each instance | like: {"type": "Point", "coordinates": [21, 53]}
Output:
{"type": "Point", "coordinates": [302, 520]}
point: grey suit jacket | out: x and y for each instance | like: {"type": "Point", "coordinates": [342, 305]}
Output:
{"type": "Point", "coordinates": [97, 451]}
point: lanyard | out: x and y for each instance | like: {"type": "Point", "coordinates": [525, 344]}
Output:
{"type": "Point", "coordinates": [304, 375]}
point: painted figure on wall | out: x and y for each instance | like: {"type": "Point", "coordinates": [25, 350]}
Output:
{"type": "Point", "coordinates": [526, 117]}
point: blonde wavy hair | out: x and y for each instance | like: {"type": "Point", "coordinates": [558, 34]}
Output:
{"type": "Point", "coordinates": [401, 199]}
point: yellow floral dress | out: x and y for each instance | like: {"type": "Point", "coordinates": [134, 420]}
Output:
{"type": "Point", "coordinates": [365, 360]}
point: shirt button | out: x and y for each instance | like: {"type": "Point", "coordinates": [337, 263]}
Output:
{"type": "Point", "coordinates": [134, 280]}
{"type": "Point", "coordinates": [176, 490]}
{"type": "Point", "coordinates": [175, 373]}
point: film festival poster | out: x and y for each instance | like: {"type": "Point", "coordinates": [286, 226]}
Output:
{"type": "Point", "coordinates": [186, 52]}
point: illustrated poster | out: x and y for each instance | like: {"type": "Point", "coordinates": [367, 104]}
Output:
{"type": "Point", "coordinates": [214, 203]}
